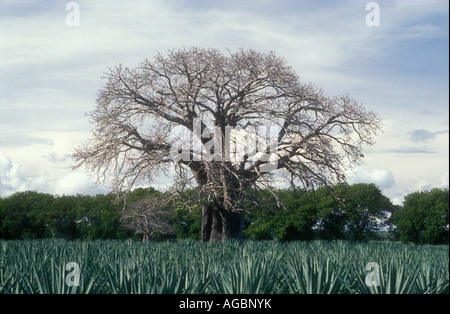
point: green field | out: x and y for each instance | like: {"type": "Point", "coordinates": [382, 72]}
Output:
{"type": "Point", "coordinates": [187, 266]}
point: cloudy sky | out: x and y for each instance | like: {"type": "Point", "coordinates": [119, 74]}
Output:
{"type": "Point", "coordinates": [52, 57]}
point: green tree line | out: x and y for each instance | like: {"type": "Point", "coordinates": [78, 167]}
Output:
{"type": "Point", "coordinates": [354, 212]}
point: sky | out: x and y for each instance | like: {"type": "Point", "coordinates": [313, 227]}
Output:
{"type": "Point", "coordinates": [54, 53]}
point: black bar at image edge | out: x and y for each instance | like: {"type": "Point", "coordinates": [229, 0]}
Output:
{"type": "Point", "coordinates": [213, 303]}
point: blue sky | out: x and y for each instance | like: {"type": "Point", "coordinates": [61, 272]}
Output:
{"type": "Point", "coordinates": [50, 73]}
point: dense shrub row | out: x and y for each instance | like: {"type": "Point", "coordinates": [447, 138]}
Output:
{"type": "Point", "coordinates": [353, 212]}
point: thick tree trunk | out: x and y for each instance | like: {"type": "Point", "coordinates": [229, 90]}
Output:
{"type": "Point", "coordinates": [221, 225]}
{"type": "Point", "coordinates": [211, 224]}
{"type": "Point", "coordinates": [232, 225]}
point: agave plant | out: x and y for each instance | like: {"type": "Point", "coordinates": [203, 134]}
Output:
{"type": "Point", "coordinates": [433, 279]}
{"type": "Point", "coordinates": [314, 275]}
{"type": "Point", "coordinates": [249, 275]}
{"type": "Point", "coordinates": [187, 266]}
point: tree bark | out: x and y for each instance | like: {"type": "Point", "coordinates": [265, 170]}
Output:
{"type": "Point", "coordinates": [232, 225]}
{"type": "Point", "coordinates": [211, 224]}
{"type": "Point", "coordinates": [221, 225]}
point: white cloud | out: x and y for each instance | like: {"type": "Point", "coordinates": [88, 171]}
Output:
{"type": "Point", "coordinates": [383, 178]}
{"type": "Point", "coordinates": [76, 183]}
{"type": "Point", "coordinates": [10, 177]}
{"type": "Point", "coordinates": [13, 180]}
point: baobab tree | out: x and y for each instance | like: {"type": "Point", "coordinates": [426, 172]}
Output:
{"type": "Point", "coordinates": [226, 122]}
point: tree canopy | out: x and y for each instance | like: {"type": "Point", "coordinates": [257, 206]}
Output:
{"type": "Point", "coordinates": [423, 217]}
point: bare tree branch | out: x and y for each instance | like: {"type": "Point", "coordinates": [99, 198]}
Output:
{"type": "Point", "coordinates": [147, 217]}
